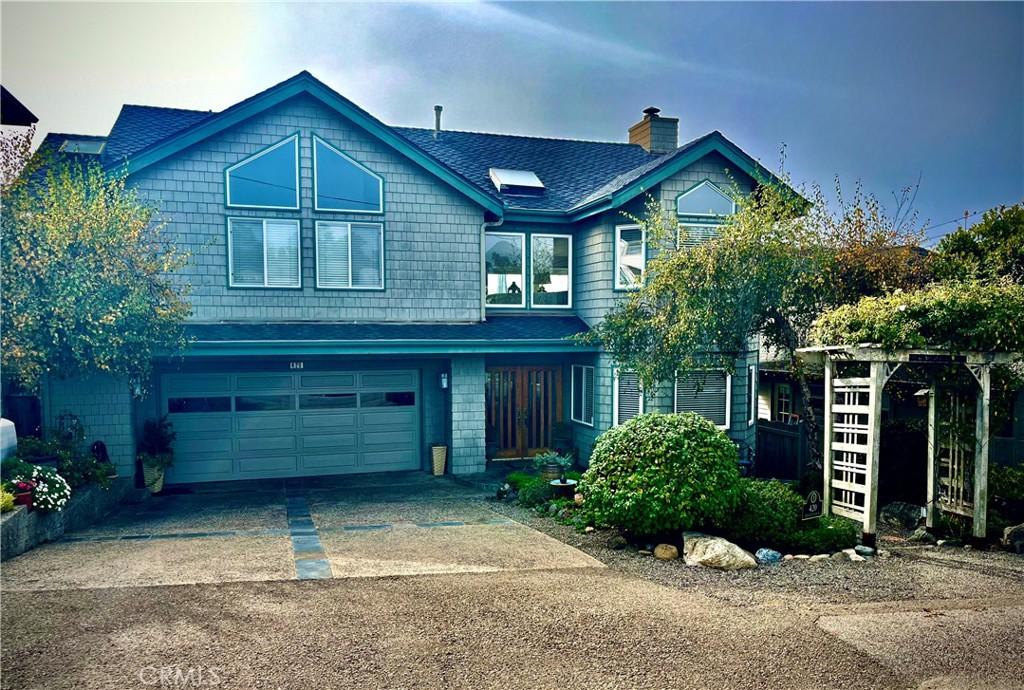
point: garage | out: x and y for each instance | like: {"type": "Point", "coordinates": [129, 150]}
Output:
{"type": "Point", "coordinates": [259, 425]}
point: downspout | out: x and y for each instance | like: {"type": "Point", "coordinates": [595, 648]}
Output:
{"type": "Point", "coordinates": [483, 263]}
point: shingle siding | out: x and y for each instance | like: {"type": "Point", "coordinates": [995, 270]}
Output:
{"type": "Point", "coordinates": [103, 405]}
{"type": "Point", "coordinates": [468, 434]}
{"type": "Point", "coordinates": [431, 232]}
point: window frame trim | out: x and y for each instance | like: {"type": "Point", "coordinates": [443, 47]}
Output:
{"type": "Point", "coordinates": [583, 383]}
{"type": "Point", "coordinates": [615, 260]}
{"type": "Point", "coordinates": [263, 220]}
{"type": "Point", "coordinates": [615, 395]}
{"type": "Point", "coordinates": [298, 189]}
{"type": "Point", "coordinates": [522, 249]}
{"type": "Point", "coordinates": [316, 255]}
{"type": "Point", "coordinates": [694, 188]}
{"type": "Point", "coordinates": [752, 395]}
{"type": "Point", "coordinates": [380, 179]}
{"type": "Point", "coordinates": [533, 292]}
{"type": "Point", "coordinates": [728, 395]}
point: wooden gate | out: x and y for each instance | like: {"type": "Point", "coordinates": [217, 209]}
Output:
{"type": "Point", "coordinates": [523, 405]}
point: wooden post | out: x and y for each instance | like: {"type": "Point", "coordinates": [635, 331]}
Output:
{"type": "Point", "coordinates": [932, 505]}
{"type": "Point", "coordinates": [981, 427]}
{"type": "Point", "coordinates": [877, 379]}
{"type": "Point", "coordinates": [826, 498]}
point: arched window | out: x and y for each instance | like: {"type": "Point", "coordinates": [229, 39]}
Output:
{"type": "Point", "coordinates": [267, 179]}
{"type": "Point", "coordinates": [342, 184]}
{"type": "Point", "coordinates": [705, 200]}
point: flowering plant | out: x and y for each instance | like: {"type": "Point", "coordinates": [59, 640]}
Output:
{"type": "Point", "coordinates": [49, 490]}
{"type": "Point", "coordinates": [21, 486]}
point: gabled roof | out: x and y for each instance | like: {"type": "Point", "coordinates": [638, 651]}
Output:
{"type": "Point", "coordinates": [13, 112]}
{"type": "Point", "coordinates": [140, 126]}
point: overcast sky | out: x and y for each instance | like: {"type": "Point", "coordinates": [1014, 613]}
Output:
{"type": "Point", "coordinates": [881, 92]}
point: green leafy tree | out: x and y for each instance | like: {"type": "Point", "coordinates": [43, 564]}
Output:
{"type": "Point", "coordinates": [86, 284]}
{"type": "Point", "coordinates": [992, 248]}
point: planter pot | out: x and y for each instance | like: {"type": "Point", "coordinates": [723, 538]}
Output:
{"type": "Point", "coordinates": [560, 489]}
{"type": "Point", "coordinates": [551, 470]}
{"type": "Point", "coordinates": [24, 499]}
{"type": "Point", "coordinates": [439, 456]}
{"type": "Point", "coordinates": [153, 478]}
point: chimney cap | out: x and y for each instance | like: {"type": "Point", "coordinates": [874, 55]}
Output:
{"type": "Point", "coordinates": [651, 111]}
{"type": "Point", "coordinates": [438, 108]}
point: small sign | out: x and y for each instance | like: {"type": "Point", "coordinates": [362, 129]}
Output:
{"type": "Point", "coordinates": [295, 365]}
{"type": "Point", "coordinates": [812, 506]}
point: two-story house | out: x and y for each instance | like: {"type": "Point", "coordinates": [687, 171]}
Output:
{"type": "Point", "coordinates": [360, 290]}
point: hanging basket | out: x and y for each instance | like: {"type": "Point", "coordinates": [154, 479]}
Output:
{"type": "Point", "coordinates": [153, 477]}
{"type": "Point", "coordinates": [439, 454]}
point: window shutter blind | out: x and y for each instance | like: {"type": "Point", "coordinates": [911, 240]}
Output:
{"type": "Point", "coordinates": [282, 253]}
{"type": "Point", "coordinates": [577, 393]}
{"type": "Point", "coordinates": [366, 255]}
{"type": "Point", "coordinates": [692, 235]}
{"type": "Point", "coordinates": [246, 252]}
{"type": "Point", "coordinates": [332, 255]}
{"type": "Point", "coordinates": [630, 399]}
{"type": "Point", "coordinates": [588, 395]}
{"type": "Point", "coordinates": [703, 394]}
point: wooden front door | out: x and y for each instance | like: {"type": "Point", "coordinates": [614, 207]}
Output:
{"type": "Point", "coordinates": [523, 405]}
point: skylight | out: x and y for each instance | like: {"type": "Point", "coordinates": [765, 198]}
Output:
{"type": "Point", "coordinates": [516, 181]}
{"type": "Point", "coordinates": [90, 146]}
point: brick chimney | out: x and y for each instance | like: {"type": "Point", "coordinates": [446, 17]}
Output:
{"type": "Point", "coordinates": [655, 133]}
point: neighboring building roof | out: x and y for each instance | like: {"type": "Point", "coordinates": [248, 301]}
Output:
{"type": "Point", "coordinates": [13, 112]}
{"type": "Point", "coordinates": [496, 334]}
{"type": "Point", "coordinates": [579, 177]}
{"type": "Point", "coordinates": [53, 142]}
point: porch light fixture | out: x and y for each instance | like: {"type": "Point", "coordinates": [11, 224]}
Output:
{"type": "Point", "coordinates": [444, 380]}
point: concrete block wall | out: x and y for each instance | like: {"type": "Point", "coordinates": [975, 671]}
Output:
{"type": "Point", "coordinates": [104, 406]}
{"type": "Point", "coordinates": [431, 231]}
{"type": "Point", "coordinates": [468, 435]}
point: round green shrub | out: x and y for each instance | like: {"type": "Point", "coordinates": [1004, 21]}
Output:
{"type": "Point", "coordinates": [661, 473]}
{"type": "Point", "coordinates": [768, 514]}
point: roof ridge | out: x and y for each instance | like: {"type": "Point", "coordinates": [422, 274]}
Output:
{"type": "Point", "coordinates": [164, 107]}
{"type": "Point", "coordinates": [518, 136]}
{"type": "Point", "coordinates": [73, 134]}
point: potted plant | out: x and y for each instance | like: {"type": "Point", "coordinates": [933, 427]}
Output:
{"type": "Point", "coordinates": [155, 453]}
{"type": "Point", "coordinates": [35, 451]}
{"type": "Point", "coordinates": [439, 455]}
{"type": "Point", "coordinates": [551, 465]}
{"type": "Point", "coordinates": [22, 490]}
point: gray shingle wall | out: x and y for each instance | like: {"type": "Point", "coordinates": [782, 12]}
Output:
{"type": "Point", "coordinates": [468, 437]}
{"type": "Point", "coordinates": [103, 405]}
{"type": "Point", "coordinates": [431, 232]}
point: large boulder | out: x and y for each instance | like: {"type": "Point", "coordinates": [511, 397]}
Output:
{"type": "Point", "coordinates": [767, 556]}
{"type": "Point", "coordinates": [1013, 538]}
{"type": "Point", "coordinates": [903, 515]}
{"type": "Point", "coordinates": [715, 552]}
{"type": "Point", "coordinates": [666, 552]}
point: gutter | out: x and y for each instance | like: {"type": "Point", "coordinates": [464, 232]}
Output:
{"type": "Point", "coordinates": [483, 263]}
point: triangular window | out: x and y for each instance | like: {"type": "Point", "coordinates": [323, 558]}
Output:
{"type": "Point", "coordinates": [705, 199]}
{"type": "Point", "coordinates": [267, 179]}
{"type": "Point", "coordinates": [342, 184]}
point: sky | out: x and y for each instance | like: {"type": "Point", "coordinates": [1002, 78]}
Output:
{"type": "Point", "coordinates": [885, 93]}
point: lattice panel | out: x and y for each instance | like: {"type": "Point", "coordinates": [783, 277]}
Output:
{"type": "Point", "coordinates": [956, 459]}
{"type": "Point", "coordinates": [850, 447]}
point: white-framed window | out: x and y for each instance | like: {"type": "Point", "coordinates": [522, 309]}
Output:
{"type": "Point", "coordinates": [341, 183]}
{"type": "Point", "coordinates": [349, 256]}
{"type": "Point", "coordinates": [708, 393]}
{"type": "Point", "coordinates": [266, 179]}
{"type": "Point", "coordinates": [264, 253]}
{"type": "Point", "coordinates": [505, 256]}
{"type": "Point", "coordinates": [630, 256]}
{"type": "Point", "coordinates": [550, 271]}
{"type": "Point", "coordinates": [751, 394]}
{"type": "Point", "coordinates": [784, 403]}
{"type": "Point", "coordinates": [627, 397]}
{"type": "Point", "coordinates": [705, 199]}
{"type": "Point", "coordinates": [581, 389]}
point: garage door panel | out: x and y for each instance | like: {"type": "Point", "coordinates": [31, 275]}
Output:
{"type": "Point", "coordinates": [327, 381]}
{"type": "Point", "coordinates": [265, 424]}
{"type": "Point", "coordinates": [334, 441]}
{"type": "Point", "coordinates": [395, 459]}
{"type": "Point", "coordinates": [187, 445]}
{"type": "Point", "coordinates": [384, 417]}
{"type": "Point", "coordinates": [265, 382]}
{"type": "Point", "coordinates": [275, 465]}
{"type": "Point", "coordinates": [212, 468]}
{"type": "Point", "coordinates": [314, 422]}
{"type": "Point", "coordinates": [266, 443]}
{"type": "Point", "coordinates": [201, 424]}
{"type": "Point", "coordinates": [400, 438]}
{"type": "Point", "coordinates": [185, 385]}
{"type": "Point", "coordinates": [332, 461]}
{"type": "Point", "coordinates": [392, 380]}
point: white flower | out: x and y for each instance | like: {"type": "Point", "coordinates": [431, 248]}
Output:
{"type": "Point", "coordinates": [902, 307]}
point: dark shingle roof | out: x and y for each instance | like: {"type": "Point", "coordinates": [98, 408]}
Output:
{"type": "Point", "coordinates": [140, 126]}
{"type": "Point", "coordinates": [13, 112]}
{"type": "Point", "coordinates": [495, 329]}
{"type": "Point", "coordinates": [51, 147]}
{"type": "Point", "coordinates": [569, 169]}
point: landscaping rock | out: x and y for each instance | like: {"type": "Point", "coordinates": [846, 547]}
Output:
{"type": "Point", "coordinates": [882, 553]}
{"type": "Point", "coordinates": [862, 550]}
{"type": "Point", "coordinates": [1013, 538]}
{"type": "Point", "coordinates": [552, 509]}
{"type": "Point", "coordinates": [767, 556]}
{"type": "Point", "coordinates": [857, 558]}
{"type": "Point", "coordinates": [840, 556]}
{"type": "Point", "coordinates": [618, 542]}
{"type": "Point", "coordinates": [900, 514]}
{"type": "Point", "coordinates": [645, 552]}
{"type": "Point", "coordinates": [578, 499]}
{"type": "Point", "coordinates": [666, 552]}
{"type": "Point", "coordinates": [922, 535]}
{"type": "Point", "coordinates": [788, 557]}
{"type": "Point", "coordinates": [802, 557]}
{"type": "Point", "coordinates": [588, 529]}
{"type": "Point", "coordinates": [715, 552]}
{"type": "Point", "coordinates": [818, 558]}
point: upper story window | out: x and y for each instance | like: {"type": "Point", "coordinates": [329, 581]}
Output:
{"type": "Point", "coordinates": [267, 179]}
{"type": "Point", "coordinates": [705, 200]}
{"type": "Point", "coordinates": [630, 256]}
{"type": "Point", "coordinates": [349, 255]}
{"type": "Point", "coordinates": [551, 271]}
{"type": "Point", "coordinates": [504, 256]}
{"type": "Point", "coordinates": [342, 184]}
{"type": "Point", "coordinates": [264, 253]}
{"type": "Point", "coordinates": [707, 393]}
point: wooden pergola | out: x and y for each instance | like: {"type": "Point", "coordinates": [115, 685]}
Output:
{"type": "Point", "coordinates": [852, 433]}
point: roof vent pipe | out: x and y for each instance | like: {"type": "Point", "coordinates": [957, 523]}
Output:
{"type": "Point", "coordinates": [437, 120]}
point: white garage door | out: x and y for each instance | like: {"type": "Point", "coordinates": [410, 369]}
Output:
{"type": "Point", "coordinates": [247, 426]}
